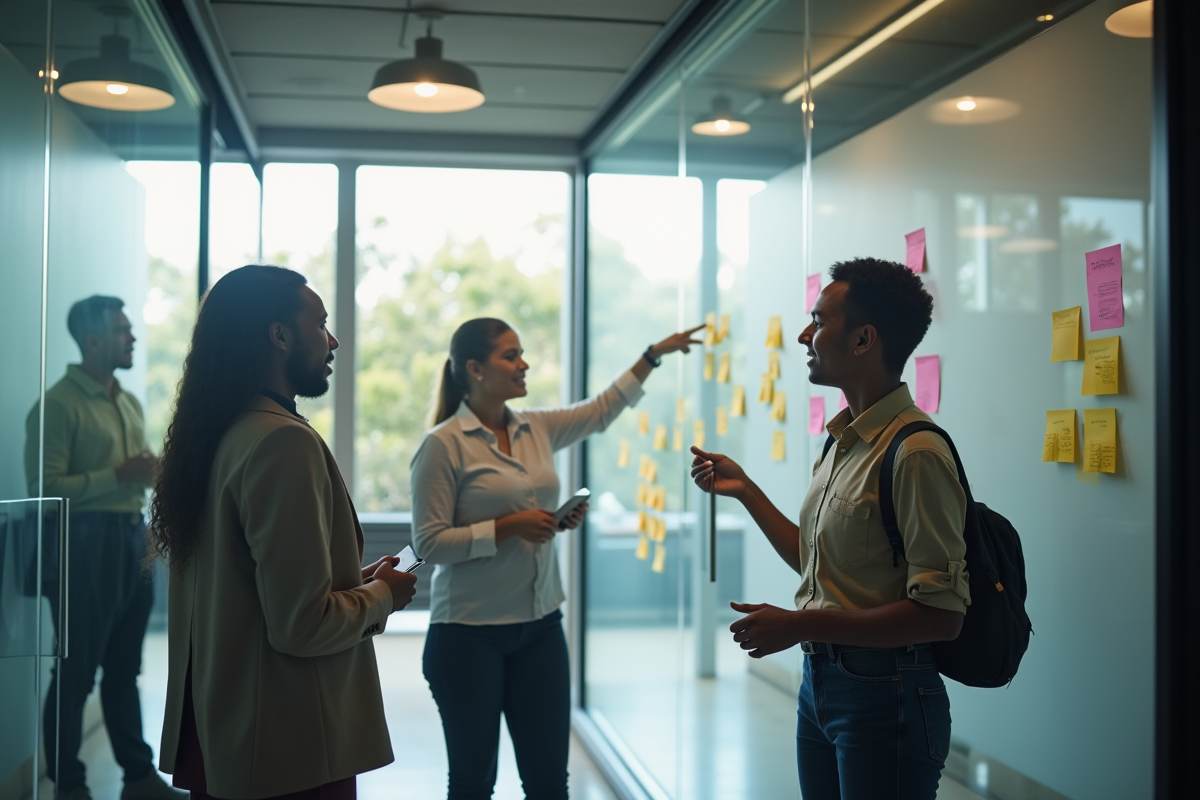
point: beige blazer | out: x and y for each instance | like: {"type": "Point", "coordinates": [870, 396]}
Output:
{"type": "Point", "coordinates": [276, 621]}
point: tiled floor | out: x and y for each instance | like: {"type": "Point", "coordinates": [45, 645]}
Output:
{"type": "Point", "coordinates": [744, 721]}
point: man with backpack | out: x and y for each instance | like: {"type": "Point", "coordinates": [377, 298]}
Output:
{"type": "Point", "coordinates": [874, 717]}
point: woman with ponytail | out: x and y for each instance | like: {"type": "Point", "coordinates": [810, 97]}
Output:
{"type": "Point", "coordinates": [483, 493]}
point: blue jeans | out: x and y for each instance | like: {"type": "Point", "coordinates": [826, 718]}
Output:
{"type": "Point", "coordinates": [874, 724]}
{"type": "Point", "coordinates": [478, 671]}
{"type": "Point", "coordinates": [107, 611]}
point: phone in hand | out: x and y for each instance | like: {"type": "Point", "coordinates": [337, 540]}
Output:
{"type": "Point", "coordinates": [574, 502]}
{"type": "Point", "coordinates": [409, 560]}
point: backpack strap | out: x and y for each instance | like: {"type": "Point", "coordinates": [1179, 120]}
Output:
{"type": "Point", "coordinates": [887, 506]}
{"type": "Point", "coordinates": [829, 442]}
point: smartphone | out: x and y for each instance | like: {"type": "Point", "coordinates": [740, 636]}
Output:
{"type": "Point", "coordinates": [409, 560]}
{"type": "Point", "coordinates": [574, 502]}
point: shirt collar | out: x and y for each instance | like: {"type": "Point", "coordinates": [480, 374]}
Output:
{"type": "Point", "coordinates": [88, 383]}
{"type": "Point", "coordinates": [871, 422]}
{"type": "Point", "coordinates": [289, 405]}
{"type": "Point", "coordinates": [468, 422]}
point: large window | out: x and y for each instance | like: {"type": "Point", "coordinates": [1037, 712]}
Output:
{"type": "Point", "coordinates": [437, 247]}
{"type": "Point", "coordinates": [298, 231]}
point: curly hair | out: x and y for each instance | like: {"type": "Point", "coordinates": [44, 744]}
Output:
{"type": "Point", "coordinates": [891, 297]}
{"type": "Point", "coordinates": [225, 367]}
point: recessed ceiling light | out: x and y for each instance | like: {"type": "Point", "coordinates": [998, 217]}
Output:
{"type": "Point", "coordinates": [426, 83]}
{"type": "Point", "coordinates": [1135, 21]}
{"type": "Point", "coordinates": [1023, 247]}
{"type": "Point", "coordinates": [1045, 18]}
{"type": "Point", "coordinates": [972, 110]}
{"type": "Point", "coordinates": [982, 231]}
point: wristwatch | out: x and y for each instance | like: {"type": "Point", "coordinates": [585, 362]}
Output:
{"type": "Point", "coordinates": [651, 360]}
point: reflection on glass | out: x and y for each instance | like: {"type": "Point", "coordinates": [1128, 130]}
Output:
{"type": "Point", "coordinates": [437, 247]}
{"type": "Point", "coordinates": [299, 226]}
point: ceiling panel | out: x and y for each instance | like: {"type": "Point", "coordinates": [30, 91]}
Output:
{"type": "Point", "coordinates": [644, 10]}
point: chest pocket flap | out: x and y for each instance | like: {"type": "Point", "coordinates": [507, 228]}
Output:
{"type": "Point", "coordinates": [846, 529]}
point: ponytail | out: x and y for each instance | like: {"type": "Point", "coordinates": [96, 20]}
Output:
{"type": "Point", "coordinates": [473, 341]}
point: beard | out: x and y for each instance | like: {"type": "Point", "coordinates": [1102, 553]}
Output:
{"type": "Point", "coordinates": [306, 373]}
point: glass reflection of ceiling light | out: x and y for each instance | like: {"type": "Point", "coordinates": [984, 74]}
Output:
{"type": "Point", "coordinates": [860, 50]}
{"type": "Point", "coordinates": [973, 110]}
{"type": "Point", "coordinates": [1045, 18]}
{"type": "Point", "coordinates": [53, 73]}
{"type": "Point", "coordinates": [1023, 247]}
{"type": "Point", "coordinates": [1135, 21]}
{"type": "Point", "coordinates": [114, 80]}
{"type": "Point", "coordinates": [720, 121]}
{"type": "Point", "coordinates": [426, 83]}
{"type": "Point", "coordinates": [982, 231]}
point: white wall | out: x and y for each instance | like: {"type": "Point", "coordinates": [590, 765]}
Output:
{"type": "Point", "coordinates": [1079, 716]}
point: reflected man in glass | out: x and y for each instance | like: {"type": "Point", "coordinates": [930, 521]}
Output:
{"type": "Point", "coordinates": [95, 455]}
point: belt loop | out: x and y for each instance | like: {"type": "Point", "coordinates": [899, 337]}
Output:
{"type": "Point", "coordinates": [829, 649]}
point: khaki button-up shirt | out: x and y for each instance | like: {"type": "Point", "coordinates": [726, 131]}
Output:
{"type": "Point", "coordinates": [88, 434]}
{"type": "Point", "coordinates": [845, 556]}
{"type": "Point", "coordinates": [462, 483]}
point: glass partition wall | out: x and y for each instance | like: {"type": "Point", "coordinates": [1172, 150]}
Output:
{"type": "Point", "coordinates": [861, 123]}
{"type": "Point", "coordinates": [101, 191]}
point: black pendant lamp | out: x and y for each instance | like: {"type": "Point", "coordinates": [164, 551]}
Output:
{"type": "Point", "coordinates": [721, 120]}
{"type": "Point", "coordinates": [426, 83]}
{"type": "Point", "coordinates": [114, 80]}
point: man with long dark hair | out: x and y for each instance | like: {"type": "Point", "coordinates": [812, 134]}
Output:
{"type": "Point", "coordinates": [273, 689]}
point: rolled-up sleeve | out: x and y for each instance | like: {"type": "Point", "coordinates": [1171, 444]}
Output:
{"type": "Point", "coordinates": [573, 423]}
{"type": "Point", "coordinates": [931, 510]}
{"type": "Point", "coordinates": [434, 498]}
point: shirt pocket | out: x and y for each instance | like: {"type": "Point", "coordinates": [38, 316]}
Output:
{"type": "Point", "coordinates": [846, 531]}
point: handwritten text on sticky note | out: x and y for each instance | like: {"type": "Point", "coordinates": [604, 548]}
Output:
{"type": "Point", "coordinates": [1066, 335]}
{"type": "Point", "coordinates": [1106, 304]}
{"type": "Point", "coordinates": [1059, 442]}
{"type": "Point", "coordinates": [1100, 440]}
{"type": "Point", "coordinates": [1102, 366]}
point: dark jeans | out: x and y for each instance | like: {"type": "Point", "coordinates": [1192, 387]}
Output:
{"type": "Point", "coordinates": [873, 725]}
{"type": "Point", "coordinates": [478, 671]}
{"type": "Point", "coordinates": [108, 605]}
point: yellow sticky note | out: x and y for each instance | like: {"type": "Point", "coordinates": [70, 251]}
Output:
{"type": "Point", "coordinates": [661, 529]}
{"type": "Point", "coordinates": [660, 557]}
{"type": "Point", "coordinates": [641, 495]}
{"type": "Point", "coordinates": [723, 370]}
{"type": "Point", "coordinates": [680, 411]}
{"type": "Point", "coordinates": [779, 407]}
{"type": "Point", "coordinates": [643, 466]}
{"type": "Point", "coordinates": [623, 455]}
{"type": "Point", "coordinates": [1059, 443]}
{"type": "Point", "coordinates": [722, 421]}
{"type": "Point", "coordinates": [1100, 440]}
{"type": "Point", "coordinates": [652, 471]}
{"type": "Point", "coordinates": [660, 499]}
{"type": "Point", "coordinates": [778, 446]}
{"type": "Point", "coordinates": [766, 392]}
{"type": "Point", "coordinates": [643, 548]}
{"type": "Point", "coordinates": [709, 362]}
{"type": "Point", "coordinates": [643, 521]}
{"type": "Point", "coordinates": [677, 444]}
{"type": "Point", "coordinates": [773, 365]}
{"type": "Point", "coordinates": [660, 437]}
{"type": "Point", "coordinates": [723, 328]}
{"type": "Point", "coordinates": [1102, 366]}
{"type": "Point", "coordinates": [643, 423]}
{"type": "Point", "coordinates": [1067, 333]}
{"type": "Point", "coordinates": [710, 329]}
{"type": "Point", "coordinates": [737, 408]}
{"type": "Point", "coordinates": [698, 433]}
{"type": "Point", "coordinates": [775, 332]}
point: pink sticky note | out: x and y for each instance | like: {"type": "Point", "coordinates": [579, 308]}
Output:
{"type": "Point", "coordinates": [929, 383]}
{"type": "Point", "coordinates": [1106, 304]}
{"type": "Point", "coordinates": [812, 289]}
{"type": "Point", "coordinates": [816, 415]}
{"type": "Point", "coordinates": [915, 259]}
{"type": "Point", "coordinates": [842, 402]}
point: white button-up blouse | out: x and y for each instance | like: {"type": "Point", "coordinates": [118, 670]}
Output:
{"type": "Point", "coordinates": [462, 483]}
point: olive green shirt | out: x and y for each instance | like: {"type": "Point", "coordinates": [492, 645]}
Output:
{"type": "Point", "coordinates": [88, 434]}
{"type": "Point", "coordinates": [845, 556]}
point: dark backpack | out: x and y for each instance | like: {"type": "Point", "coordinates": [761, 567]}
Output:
{"type": "Point", "coordinates": [995, 633]}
